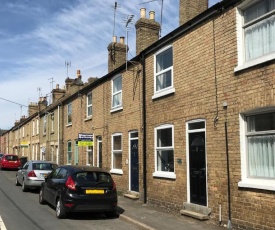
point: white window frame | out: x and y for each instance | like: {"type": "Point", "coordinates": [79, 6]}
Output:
{"type": "Point", "coordinates": [164, 174]}
{"type": "Point", "coordinates": [117, 107]}
{"type": "Point", "coordinates": [89, 105]}
{"type": "Point", "coordinates": [52, 122]}
{"type": "Point", "coordinates": [242, 64]}
{"type": "Point", "coordinates": [90, 149]}
{"type": "Point", "coordinates": [44, 124]}
{"type": "Point", "coordinates": [37, 126]}
{"type": "Point", "coordinates": [99, 141]}
{"type": "Point", "coordinates": [69, 113]}
{"type": "Point", "coordinates": [246, 182]}
{"type": "Point", "coordinates": [33, 127]}
{"type": "Point", "coordinates": [69, 152]}
{"type": "Point", "coordinates": [116, 151]}
{"type": "Point", "coordinates": [167, 90]}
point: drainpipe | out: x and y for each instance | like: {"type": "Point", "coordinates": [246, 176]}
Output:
{"type": "Point", "coordinates": [229, 225]}
{"type": "Point", "coordinates": [144, 128]}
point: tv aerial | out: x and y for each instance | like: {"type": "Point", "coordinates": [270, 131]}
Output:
{"type": "Point", "coordinates": [67, 64]}
{"type": "Point", "coordinates": [115, 6]}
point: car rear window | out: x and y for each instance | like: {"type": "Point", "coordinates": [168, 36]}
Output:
{"type": "Point", "coordinates": [96, 177]}
{"type": "Point", "coordinates": [43, 166]}
{"type": "Point", "coordinates": [11, 158]}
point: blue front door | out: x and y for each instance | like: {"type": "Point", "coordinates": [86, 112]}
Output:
{"type": "Point", "coordinates": [134, 165]}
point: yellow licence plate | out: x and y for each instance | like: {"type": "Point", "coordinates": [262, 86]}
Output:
{"type": "Point", "coordinates": [95, 191]}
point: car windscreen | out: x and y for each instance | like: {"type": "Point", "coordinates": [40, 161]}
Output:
{"type": "Point", "coordinates": [43, 166]}
{"type": "Point", "coordinates": [93, 177]}
{"type": "Point", "coordinates": [11, 158]}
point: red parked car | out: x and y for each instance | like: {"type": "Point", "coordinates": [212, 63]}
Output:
{"type": "Point", "coordinates": [10, 161]}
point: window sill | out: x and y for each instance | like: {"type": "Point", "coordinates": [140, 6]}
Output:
{"type": "Point", "coordinates": [168, 175]}
{"type": "Point", "coordinates": [88, 118]}
{"type": "Point", "coordinates": [163, 93]}
{"type": "Point", "coordinates": [69, 125]}
{"type": "Point", "coordinates": [116, 171]}
{"type": "Point", "coordinates": [257, 184]}
{"type": "Point", "coordinates": [255, 62]}
{"type": "Point", "coordinates": [116, 109]}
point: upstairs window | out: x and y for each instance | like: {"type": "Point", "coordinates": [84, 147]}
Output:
{"type": "Point", "coordinates": [69, 115]}
{"type": "Point", "coordinates": [256, 32]}
{"type": "Point", "coordinates": [45, 124]}
{"type": "Point", "coordinates": [89, 105]}
{"type": "Point", "coordinates": [117, 92]}
{"type": "Point", "coordinates": [164, 71]}
{"type": "Point", "coordinates": [259, 29]}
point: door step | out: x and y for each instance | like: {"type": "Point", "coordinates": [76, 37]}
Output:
{"type": "Point", "coordinates": [196, 211]}
{"type": "Point", "coordinates": [132, 195]}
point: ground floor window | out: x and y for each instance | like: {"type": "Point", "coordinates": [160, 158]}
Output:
{"type": "Point", "coordinates": [164, 150]}
{"type": "Point", "coordinates": [90, 155]}
{"type": "Point", "coordinates": [69, 152]}
{"type": "Point", "coordinates": [117, 153]}
{"type": "Point", "coordinates": [258, 150]}
{"type": "Point", "coordinates": [261, 145]}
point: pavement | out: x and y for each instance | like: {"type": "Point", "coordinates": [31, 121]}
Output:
{"type": "Point", "coordinates": [150, 217]}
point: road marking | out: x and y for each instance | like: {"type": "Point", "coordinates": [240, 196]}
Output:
{"type": "Point", "coordinates": [2, 225]}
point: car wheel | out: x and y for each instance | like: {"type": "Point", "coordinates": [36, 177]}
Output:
{"type": "Point", "coordinates": [24, 187]}
{"type": "Point", "coordinates": [60, 211]}
{"type": "Point", "coordinates": [41, 196]}
{"type": "Point", "coordinates": [16, 181]}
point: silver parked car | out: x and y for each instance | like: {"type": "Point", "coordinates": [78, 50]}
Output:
{"type": "Point", "coordinates": [33, 173]}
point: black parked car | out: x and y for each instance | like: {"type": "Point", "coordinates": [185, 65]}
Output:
{"type": "Point", "coordinates": [71, 188]}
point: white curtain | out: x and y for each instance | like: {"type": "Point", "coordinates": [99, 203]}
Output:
{"type": "Point", "coordinates": [260, 38]}
{"type": "Point", "coordinates": [261, 156]}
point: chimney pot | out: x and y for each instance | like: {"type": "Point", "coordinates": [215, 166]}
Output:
{"type": "Point", "coordinates": [122, 40]}
{"type": "Point", "coordinates": [114, 38]}
{"type": "Point", "coordinates": [142, 13]}
{"type": "Point", "coordinates": [57, 86]}
{"type": "Point", "coordinates": [152, 15]}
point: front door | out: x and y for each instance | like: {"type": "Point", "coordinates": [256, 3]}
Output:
{"type": "Point", "coordinates": [134, 165]}
{"type": "Point", "coordinates": [197, 167]}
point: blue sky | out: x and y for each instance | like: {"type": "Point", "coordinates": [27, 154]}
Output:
{"type": "Point", "coordinates": [38, 36]}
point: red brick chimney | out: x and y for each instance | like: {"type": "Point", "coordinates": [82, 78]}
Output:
{"type": "Point", "coordinates": [190, 9]}
{"type": "Point", "coordinates": [147, 30]}
{"type": "Point", "coordinates": [116, 53]}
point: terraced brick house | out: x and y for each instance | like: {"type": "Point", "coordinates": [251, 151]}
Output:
{"type": "Point", "coordinates": [189, 123]}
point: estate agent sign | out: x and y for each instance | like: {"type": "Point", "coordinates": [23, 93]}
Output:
{"type": "Point", "coordinates": [85, 139]}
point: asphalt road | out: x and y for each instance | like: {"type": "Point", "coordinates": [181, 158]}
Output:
{"type": "Point", "coordinates": [22, 211]}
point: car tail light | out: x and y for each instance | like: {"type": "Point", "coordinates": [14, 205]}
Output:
{"type": "Point", "coordinates": [31, 174]}
{"type": "Point", "coordinates": [70, 183]}
{"type": "Point", "coordinates": [114, 186]}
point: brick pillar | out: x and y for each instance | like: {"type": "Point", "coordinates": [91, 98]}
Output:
{"type": "Point", "coordinates": [190, 9]}
{"type": "Point", "coordinates": [116, 54]}
{"type": "Point", "coordinates": [147, 31]}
